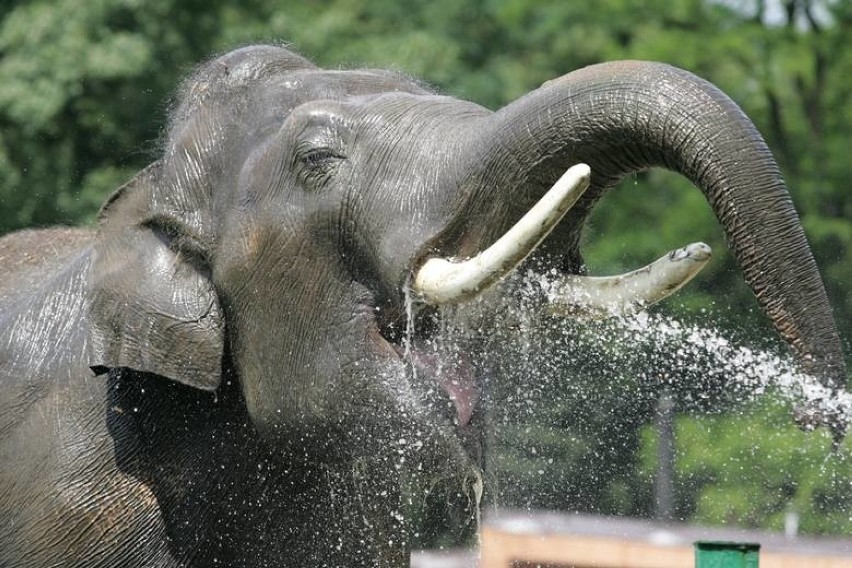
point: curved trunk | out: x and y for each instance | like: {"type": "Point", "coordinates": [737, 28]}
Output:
{"type": "Point", "coordinates": [627, 116]}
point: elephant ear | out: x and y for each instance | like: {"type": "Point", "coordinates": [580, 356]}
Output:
{"type": "Point", "coordinates": [152, 305]}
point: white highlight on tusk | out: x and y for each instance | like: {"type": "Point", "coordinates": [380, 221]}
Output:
{"type": "Point", "coordinates": [446, 281]}
{"type": "Point", "coordinates": [630, 292]}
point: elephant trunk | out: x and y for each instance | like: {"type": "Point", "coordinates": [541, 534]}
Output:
{"type": "Point", "coordinates": [624, 117]}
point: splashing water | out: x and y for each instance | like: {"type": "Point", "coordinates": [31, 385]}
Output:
{"type": "Point", "coordinates": [562, 396]}
{"type": "Point", "coordinates": [409, 316]}
{"type": "Point", "coordinates": [750, 370]}
{"type": "Point", "coordinates": [515, 328]}
{"type": "Point", "coordinates": [661, 347]}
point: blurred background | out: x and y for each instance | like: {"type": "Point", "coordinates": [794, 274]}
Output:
{"type": "Point", "coordinates": [85, 92]}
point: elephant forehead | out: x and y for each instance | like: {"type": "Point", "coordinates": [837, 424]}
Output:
{"type": "Point", "coordinates": [315, 85]}
{"type": "Point", "coordinates": [416, 106]}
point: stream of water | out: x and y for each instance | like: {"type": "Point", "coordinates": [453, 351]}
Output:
{"type": "Point", "coordinates": [563, 395]}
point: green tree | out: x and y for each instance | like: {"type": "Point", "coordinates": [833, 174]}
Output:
{"type": "Point", "coordinates": [84, 88]}
{"type": "Point", "coordinates": [84, 95]}
{"type": "Point", "coordinates": [754, 468]}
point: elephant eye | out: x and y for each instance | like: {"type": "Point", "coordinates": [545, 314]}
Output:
{"type": "Point", "coordinates": [317, 164]}
{"type": "Point", "coordinates": [320, 159]}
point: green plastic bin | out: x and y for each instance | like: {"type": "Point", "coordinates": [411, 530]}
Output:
{"type": "Point", "coordinates": [726, 554]}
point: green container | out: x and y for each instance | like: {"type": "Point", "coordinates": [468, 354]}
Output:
{"type": "Point", "coordinates": [726, 554]}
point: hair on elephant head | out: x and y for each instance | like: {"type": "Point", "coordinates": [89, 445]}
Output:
{"type": "Point", "coordinates": [257, 303]}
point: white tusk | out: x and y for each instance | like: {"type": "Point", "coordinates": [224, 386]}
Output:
{"type": "Point", "coordinates": [627, 293]}
{"type": "Point", "coordinates": [445, 281]}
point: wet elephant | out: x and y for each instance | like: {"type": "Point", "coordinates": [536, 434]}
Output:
{"type": "Point", "coordinates": [221, 372]}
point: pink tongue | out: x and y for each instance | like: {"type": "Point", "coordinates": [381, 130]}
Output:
{"type": "Point", "coordinates": [455, 376]}
{"type": "Point", "coordinates": [463, 393]}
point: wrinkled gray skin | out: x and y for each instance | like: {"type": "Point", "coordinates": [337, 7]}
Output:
{"type": "Point", "coordinates": [215, 374]}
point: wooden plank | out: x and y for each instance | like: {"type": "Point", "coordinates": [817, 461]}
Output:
{"type": "Point", "coordinates": [501, 548]}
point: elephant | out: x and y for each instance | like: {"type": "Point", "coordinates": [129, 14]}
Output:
{"type": "Point", "coordinates": [229, 369]}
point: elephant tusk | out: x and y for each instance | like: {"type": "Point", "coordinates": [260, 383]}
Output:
{"type": "Point", "coordinates": [626, 293]}
{"type": "Point", "coordinates": [447, 281]}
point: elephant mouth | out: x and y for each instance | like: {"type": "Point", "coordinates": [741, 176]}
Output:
{"type": "Point", "coordinates": [453, 375]}
{"type": "Point", "coordinates": [445, 281]}
{"type": "Point", "coordinates": [439, 372]}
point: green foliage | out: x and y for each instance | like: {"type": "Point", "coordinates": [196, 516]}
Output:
{"type": "Point", "coordinates": [84, 91]}
{"type": "Point", "coordinates": [753, 468]}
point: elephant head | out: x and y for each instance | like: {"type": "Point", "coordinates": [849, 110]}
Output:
{"type": "Point", "coordinates": [295, 208]}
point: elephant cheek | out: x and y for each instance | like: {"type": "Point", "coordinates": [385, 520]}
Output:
{"type": "Point", "coordinates": [280, 410]}
{"type": "Point", "coordinates": [292, 422]}
{"type": "Point", "coordinates": [308, 392]}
